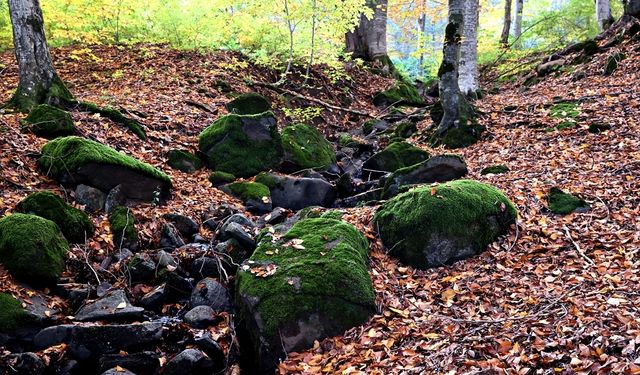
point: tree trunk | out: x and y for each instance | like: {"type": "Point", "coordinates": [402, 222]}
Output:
{"type": "Point", "coordinates": [468, 69]}
{"type": "Point", "coordinates": [517, 28]}
{"type": "Point", "coordinates": [506, 28]}
{"type": "Point", "coordinates": [369, 40]}
{"type": "Point", "coordinates": [603, 14]}
{"type": "Point", "coordinates": [39, 82]}
{"type": "Point", "coordinates": [632, 8]}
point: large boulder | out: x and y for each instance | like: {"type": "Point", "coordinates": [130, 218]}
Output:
{"type": "Point", "coordinates": [296, 193]}
{"type": "Point", "coordinates": [74, 224]}
{"type": "Point", "coordinates": [304, 148]}
{"type": "Point", "coordinates": [75, 160]}
{"type": "Point", "coordinates": [432, 226]}
{"type": "Point", "coordinates": [441, 168]}
{"type": "Point", "coordinates": [248, 104]}
{"type": "Point", "coordinates": [395, 156]}
{"type": "Point", "coordinates": [49, 122]}
{"type": "Point", "coordinates": [242, 145]}
{"type": "Point", "coordinates": [300, 286]}
{"type": "Point", "coordinates": [31, 248]}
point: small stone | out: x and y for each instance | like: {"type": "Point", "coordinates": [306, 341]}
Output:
{"type": "Point", "coordinates": [186, 225]}
{"type": "Point", "coordinates": [210, 347]}
{"type": "Point", "coordinates": [115, 306]}
{"type": "Point", "coordinates": [154, 299]}
{"type": "Point", "coordinates": [189, 361]}
{"type": "Point", "coordinates": [170, 237]}
{"type": "Point", "coordinates": [209, 292]}
{"type": "Point", "coordinates": [142, 362]}
{"type": "Point", "coordinates": [118, 371]}
{"type": "Point", "coordinates": [93, 199]}
{"type": "Point", "coordinates": [201, 317]}
{"type": "Point", "coordinates": [237, 232]}
{"type": "Point", "coordinates": [114, 199]}
{"type": "Point", "coordinates": [26, 364]}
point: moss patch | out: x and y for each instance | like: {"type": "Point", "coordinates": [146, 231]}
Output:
{"type": "Point", "coordinates": [123, 228]}
{"type": "Point", "coordinates": [612, 63]}
{"type": "Point", "coordinates": [305, 147]}
{"type": "Point", "coordinates": [242, 145]}
{"type": "Point", "coordinates": [495, 169]}
{"type": "Point", "coordinates": [564, 203]}
{"type": "Point", "coordinates": [402, 93]}
{"type": "Point", "coordinates": [74, 224]}
{"type": "Point", "coordinates": [49, 122]}
{"type": "Point", "coordinates": [217, 178]}
{"type": "Point", "coordinates": [564, 111]}
{"type": "Point", "coordinates": [397, 155]}
{"type": "Point", "coordinates": [12, 315]}
{"type": "Point", "coordinates": [184, 161]}
{"type": "Point", "coordinates": [63, 155]}
{"type": "Point", "coordinates": [405, 129]}
{"type": "Point", "coordinates": [249, 104]}
{"type": "Point", "coordinates": [267, 180]}
{"type": "Point", "coordinates": [116, 116]}
{"type": "Point", "coordinates": [31, 248]}
{"type": "Point", "coordinates": [434, 225]}
{"type": "Point", "coordinates": [248, 190]}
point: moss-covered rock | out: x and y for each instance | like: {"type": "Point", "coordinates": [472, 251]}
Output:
{"type": "Point", "coordinates": [397, 155]}
{"type": "Point", "coordinates": [74, 160]}
{"type": "Point", "coordinates": [441, 168]}
{"type": "Point", "coordinates": [123, 228]}
{"type": "Point", "coordinates": [242, 145]}
{"type": "Point", "coordinates": [563, 203]}
{"type": "Point", "coordinates": [12, 315]}
{"type": "Point", "coordinates": [49, 122]}
{"type": "Point", "coordinates": [32, 248]}
{"type": "Point", "coordinates": [305, 147]}
{"type": "Point", "coordinates": [306, 284]}
{"type": "Point", "coordinates": [249, 104]}
{"type": "Point", "coordinates": [431, 226]}
{"type": "Point", "coordinates": [218, 178]}
{"type": "Point", "coordinates": [402, 93]}
{"type": "Point", "coordinates": [184, 161]}
{"type": "Point", "coordinates": [495, 169]}
{"type": "Point", "coordinates": [255, 195]}
{"type": "Point", "coordinates": [74, 224]}
{"type": "Point", "coordinates": [405, 129]}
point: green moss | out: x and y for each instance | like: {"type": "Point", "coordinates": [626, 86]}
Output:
{"type": "Point", "coordinates": [123, 228]}
{"type": "Point", "coordinates": [248, 190]}
{"type": "Point", "coordinates": [495, 169]}
{"type": "Point", "coordinates": [459, 137]}
{"type": "Point", "coordinates": [305, 147]}
{"type": "Point", "coordinates": [367, 127]}
{"type": "Point", "coordinates": [405, 129]}
{"type": "Point", "coordinates": [74, 224]}
{"type": "Point", "coordinates": [116, 116]}
{"type": "Point", "coordinates": [397, 155]}
{"type": "Point", "coordinates": [564, 203]}
{"type": "Point", "coordinates": [328, 276]}
{"type": "Point", "coordinates": [63, 155]}
{"type": "Point", "coordinates": [31, 248]}
{"type": "Point", "coordinates": [465, 212]}
{"type": "Point", "coordinates": [565, 111]}
{"type": "Point", "coordinates": [12, 315]}
{"type": "Point", "coordinates": [266, 179]}
{"type": "Point", "coordinates": [332, 214]}
{"type": "Point", "coordinates": [49, 122]}
{"type": "Point", "coordinates": [612, 62]}
{"type": "Point", "coordinates": [217, 178]}
{"type": "Point", "coordinates": [230, 149]}
{"type": "Point", "coordinates": [57, 94]}
{"type": "Point", "coordinates": [345, 140]}
{"type": "Point", "coordinates": [249, 104]}
{"type": "Point", "coordinates": [402, 93]}
{"type": "Point", "coordinates": [183, 161]}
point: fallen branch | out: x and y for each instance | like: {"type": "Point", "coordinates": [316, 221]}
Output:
{"type": "Point", "coordinates": [201, 106]}
{"type": "Point", "coordinates": [578, 249]}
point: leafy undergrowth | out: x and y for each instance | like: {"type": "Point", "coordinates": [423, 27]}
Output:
{"type": "Point", "coordinates": [559, 294]}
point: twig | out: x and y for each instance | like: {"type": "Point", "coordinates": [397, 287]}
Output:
{"type": "Point", "coordinates": [582, 254]}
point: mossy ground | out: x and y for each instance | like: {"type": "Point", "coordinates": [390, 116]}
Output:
{"type": "Point", "coordinates": [123, 228]}
{"type": "Point", "coordinates": [305, 147]}
{"type": "Point", "coordinates": [12, 315]}
{"type": "Point", "coordinates": [495, 169]}
{"type": "Point", "coordinates": [217, 177]}
{"type": "Point", "coordinates": [62, 155]}
{"type": "Point", "coordinates": [329, 276]}
{"type": "Point", "coordinates": [395, 156]}
{"type": "Point", "coordinates": [74, 224]}
{"type": "Point", "coordinates": [184, 161]}
{"type": "Point", "coordinates": [249, 104]}
{"type": "Point", "coordinates": [457, 210]}
{"type": "Point", "coordinates": [248, 190]}
{"type": "Point", "coordinates": [31, 248]}
{"type": "Point", "coordinates": [49, 122]}
{"type": "Point", "coordinates": [564, 203]}
{"type": "Point", "coordinates": [230, 150]}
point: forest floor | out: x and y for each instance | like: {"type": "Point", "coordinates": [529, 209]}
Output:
{"type": "Point", "coordinates": [559, 294]}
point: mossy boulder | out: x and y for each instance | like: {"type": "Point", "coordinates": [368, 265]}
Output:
{"type": "Point", "coordinates": [440, 168]}
{"type": "Point", "coordinates": [304, 148]}
{"type": "Point", "coordinates": [218, 178]}
{"type": "Point", "coordinates": [395, 156]}
{"type": "Point", "coordinates": [432, 226]}
{"type": "Point", "coordinates": [123, 228]}
{"type": "Point", "coordinates": [12, 315]}
{"type": "Point", "coordinates": [403, 93]}
{"type": "Point", "coordinates": [255, 195]}
{"type": "Point", "coordinates": [495, 169]}
{"type": "Point", "coordinates": [242, 145]}
{"type": "Point", "coordinates": [563, 203]}
{"type": "Point", "coordinates": [49, 122]}
{"type": "Point", "coordinates": [249, 104]}
{"type": "Point", "coordinates": [74, 160]}
{"type": "Point", "coordinates": [303, 285]}
{"type": "Point", "coordinates": [32, 248]}
{"type": "Point", "coordinates": [183, 161]}
{"type": "Point", "coordinates": [74, 224]}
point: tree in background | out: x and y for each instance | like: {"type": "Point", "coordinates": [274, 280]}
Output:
{"type": "Point", "coordinates": [632, 8]}
{"type": "Point", "coordinates": [468, 65]}
{"type": "Point", "coordinates": [506, 28]}
{"type": "Point", "coordinates": [369, 39]}
{"type": "Point", "coordinates": [603, 14]}
{"type": "Point", "coordinates": [517, 27]}
{"type": "Point", "coordinates": [39, 82]}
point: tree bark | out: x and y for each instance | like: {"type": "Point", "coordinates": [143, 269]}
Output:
{"type": "Point", "coordinates": [369, 40]}
{"type": "Point", "coordinates": [603, 14]}
{"type": "Point", "coordinates": [517, 28]}
{"type": "Point", "coordinates": [506, 28]}
{"type": "Point", "coordinates": [468, 69]}
{"type": "Point", "coordinates": [632, 8]}
{"type": "Point", "coordinates": [39, 83]}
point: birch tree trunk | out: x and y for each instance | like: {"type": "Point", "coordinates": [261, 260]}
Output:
{"type": "Point", "coordinates": [506, 28]}
{"type": "Point", "coordinates": [603, 14]}
{"type": "Point", "coordinates": [468, 69]}
{"type": "Point", "coordinates": [517, 28]}
{"type": "Point", "coordinates": [39, 82]}
{"type": "Point", "coordinates": [369, 40]}
{"type": "Point", "coordinates": [632, 8]}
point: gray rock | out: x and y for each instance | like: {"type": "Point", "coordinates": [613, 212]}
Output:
{"type": "Point", "coordinates": [118, 371]}
{"type": "Point", "coordinates": [115, 306]}
{"type": "Point", "coordinates": [142, 362]}
{"type": "Point", "coordinates": [277, 216]}
{"type": "Point", "coordinates": [201, 317]}
{"type": "Point", "coordinates": [238, 219]}
{"type": "Point", "coordinates": [26, 364]}
{"type": "Point", "coordinates": [170, 238]}
{"type": "Point", "coordinates": [93, 199]}
{"type": "Point", "coordinates": [239, 233]}
{"type": "Point", "coordinates": [189, 361]}
{"type": "Point", "coordinates": [186, 225]}
{"type": "Point", "coordinates": [210, 347]}
{"type": "Point", "coordinates": [209, 292]}
{"type": "Point", "coordinates": [441, 168]}
{"type": "Point", "coordinates": [141, 268]}
{"type": "Point", "coordinates": [115, 198]}
{"type": "Point", "coordinates": [154, 299]}
{"type": "Point", "coordinates": [165, 259]}
{"type": "Point", "coordinates": [296, 193]}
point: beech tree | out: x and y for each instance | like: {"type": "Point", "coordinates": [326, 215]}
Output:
{"type": "Point", "coordinates": [39, 83]}
{"type": "Point", "coordinates": [517, 27]}
{"type": "Point", "coordinates": [506, 26]}
{"type": "Point", "coordinates": [468, 69]}
{"type": "Point", "coordinates": [369, 39]}
{"type": "Point", "coordinates": [603, 14]}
